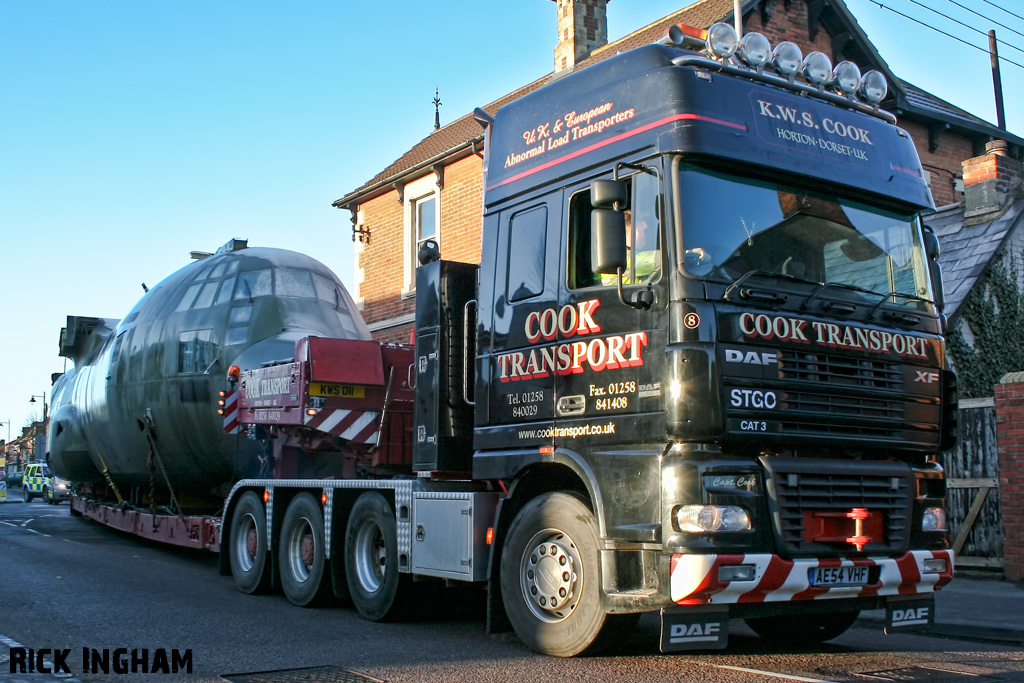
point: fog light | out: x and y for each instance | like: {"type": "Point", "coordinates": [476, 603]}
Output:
{"type": "Point", "coordinates": [722, 41]}
{"type": "Point", "coordinates": [787, 58]}
{"type": "Point", "coordinates": [817, 68]}
{"type": "Point", "coordinates": [740, 572]}
{"type": "Point", "coordinates": [701, 519]}
{"type": "Point", "coordinates": [934, 519]}
{"type": "Point", "coordinates": [846, 77]}
{"type": "Point", "coordinates": [873, 87]}
{"type": "Point", "coordinates": [755, 50]}
{"type": "Point", "coordinates": [935, 565]}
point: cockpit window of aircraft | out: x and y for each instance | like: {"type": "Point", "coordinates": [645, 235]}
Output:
{"type": "Point", "coordinates": [226, 288]}
{"type": "Point", "coordinates": [189, 297]}
{"type": "Point", "coordinates": [292, 282]}
{"type": "Point", "coordinates": [253, 284]}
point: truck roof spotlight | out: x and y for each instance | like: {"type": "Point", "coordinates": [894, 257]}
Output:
{"type": "Point", "coordinates": [755, 50]}
{"type": "Point", "coordinates": [817, 68]}
{"type": "Point", "coordinates": [722, 41]}
{"type": "Point", "coordinates": [846, 77]}
{"type": "Point", "coordinates": [873, 87]}
{"type": "Point", "coordinates": [787, 58]}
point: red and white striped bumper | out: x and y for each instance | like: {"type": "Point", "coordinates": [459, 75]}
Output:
{"type": "Point", "coordinates": [694, 578]}
{"type": "Point", "coordinates": [354, 425]}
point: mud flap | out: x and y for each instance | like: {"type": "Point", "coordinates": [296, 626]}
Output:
{"type": "Point", "coordinates": [910, 613]}
{"type": "Point", "coordinates": [694, 628]}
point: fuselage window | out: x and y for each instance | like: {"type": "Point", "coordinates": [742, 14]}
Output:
{"type": "Point", "coordinates": [253, 284]}
{"type": "Point", "coordinates": [196, 351]}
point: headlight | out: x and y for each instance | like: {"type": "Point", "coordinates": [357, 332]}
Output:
{"type": "Point", "coordinates": [702, 519]}
{"type": "Point", "coordinates": [934, 519]}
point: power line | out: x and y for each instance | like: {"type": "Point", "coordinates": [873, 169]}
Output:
{"type": "Point", "coordinates": [948, 35]}
{"type": "Point", "coordinates": [967, 26]}
{"type": "Point", "coordinates": [989, 2]}
{"type": "Point", "coordinates": [988, 19]}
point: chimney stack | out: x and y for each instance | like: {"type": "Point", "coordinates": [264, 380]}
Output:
{"type": "Point", "coordinates": [582, 28]}
{"type": "Point", "coordinates": [990, 183]}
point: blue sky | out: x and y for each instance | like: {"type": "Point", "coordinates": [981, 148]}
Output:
{"type": "Point", "coordinates": [132, 133]}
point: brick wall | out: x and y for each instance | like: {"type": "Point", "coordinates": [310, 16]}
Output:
{"type": "Point", "coordinates": [1009, 399]}
{"type": "Point", "coordinates": [382, 260]}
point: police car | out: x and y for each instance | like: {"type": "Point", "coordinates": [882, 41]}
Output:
{"type": "Point", "coordinates": [38, 481]}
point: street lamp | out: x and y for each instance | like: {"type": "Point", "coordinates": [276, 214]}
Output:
{"type": "Point", "coordinates": [33, 400]}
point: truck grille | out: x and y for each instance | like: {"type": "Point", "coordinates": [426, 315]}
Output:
{"type": "Point", "coordinates": [801, 487]}
{"type": "Point", "coordinates": [831, 398]}
{"type": "Point", "coordinates": [822, 368]}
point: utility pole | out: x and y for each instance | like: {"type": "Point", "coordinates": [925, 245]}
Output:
{"type": "Point", "coordinates": [997, 83]}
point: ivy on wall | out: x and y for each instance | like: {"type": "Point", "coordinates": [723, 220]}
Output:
{"type": "Point", "coordinates": [994, 311]}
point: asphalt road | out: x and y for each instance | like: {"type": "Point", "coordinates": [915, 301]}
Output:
{"type": "Point", "coordinates": [66, 583]}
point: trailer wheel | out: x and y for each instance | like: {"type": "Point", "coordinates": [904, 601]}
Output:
{"type": "Point", "coordinates": [802, 629]}
{"type": "Point", "coordinates": [248, 545]}
{"type": "Point", "coordinates": [302, 553]}
{"type": "Point", "coordinates": [371, 559]}
{"type": "Point", "coordinates": [550, 579]}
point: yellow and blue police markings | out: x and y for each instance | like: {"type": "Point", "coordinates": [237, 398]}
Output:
{"type": "Point", "coordinates": [3, 482]}
{"type": "Point", "coordinates": [37, 480]}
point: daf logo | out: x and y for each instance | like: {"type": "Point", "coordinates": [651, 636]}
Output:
{"type": "Point", "coordinates": [926, 377]}
{"type": "Point", "coordinates": [682, 633]}
{"type": "Point", "coordinates": [907, 617]}
{"type": "Point", "coordinates": [751, 357]}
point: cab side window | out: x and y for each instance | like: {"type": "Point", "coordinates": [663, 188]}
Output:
{"type": "Point", "coordinates": [527, 240]}
{"type": "Point", "coordinates": [643, 236]}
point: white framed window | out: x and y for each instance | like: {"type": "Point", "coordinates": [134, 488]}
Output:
{"type": "Point", "coordinates": [422, 223]}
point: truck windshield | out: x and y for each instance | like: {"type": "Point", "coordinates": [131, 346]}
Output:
{"type": "Point", "coordinates": [733, 226]}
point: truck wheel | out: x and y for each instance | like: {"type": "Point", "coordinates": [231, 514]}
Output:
{"type": "Point", "coordinates": [248, 545]}
{"type": "Point", "coordinates": [550, 579]}
{"type": "Point", "coordinates": [371, 559]}
{"type": "Point", "coordinates": [802, 629]}
{"type": "Point", "coordinates": [302, 554]}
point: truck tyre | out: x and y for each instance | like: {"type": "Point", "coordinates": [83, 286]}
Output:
{"type": "Point", "coordinates": [802, 629]}
{"type": "Point", "coordinates": [302, 553]}
{"type": "Point", "coordinates": [248, 545]}
{"type": "Point", "coordinates": [550, 579]}
{"type": "Point", "coordinates": [377, 588]}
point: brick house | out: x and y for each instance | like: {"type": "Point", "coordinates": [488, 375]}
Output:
{"type": "Point", "coordinates": [434, 189]}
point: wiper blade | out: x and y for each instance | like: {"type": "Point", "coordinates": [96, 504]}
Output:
{"type": "Point", "coordinates": [764, 273]}
{"type": "Point", "coordinates": [888, 296]}
{"type": "Point", "coordinates": [839, 285]}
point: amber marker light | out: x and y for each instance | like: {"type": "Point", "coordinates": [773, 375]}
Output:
{"type": "Point", "coordinates": [490, 535]}
{"type": "Point", "coordinates": [266, 495]}
{"type": "Point", "coordinates": [547, 450]}
{"type": "Point", "coordinates": [323, 498]}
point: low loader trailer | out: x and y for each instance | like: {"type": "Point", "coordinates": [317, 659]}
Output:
{"type": "Point", "coordinates": [700, 371]}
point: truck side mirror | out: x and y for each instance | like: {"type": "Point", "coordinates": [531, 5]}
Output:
{"type": "Point", "coordinates": [607, 240]}
{"type": "Point", "coordinates": [931, 248]}
{"type": "Point", "coordinates": [609, 194]}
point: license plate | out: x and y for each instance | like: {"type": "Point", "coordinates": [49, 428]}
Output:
{"type": "Point", "coordinates": [838, 576]}
{"type": "Point", "coordinates": [337, 390]}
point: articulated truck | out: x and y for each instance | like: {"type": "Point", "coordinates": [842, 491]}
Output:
{"type": "Point", "coordinates": [699, 371]}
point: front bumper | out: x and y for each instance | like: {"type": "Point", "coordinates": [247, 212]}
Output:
{"type": "Point", "coordinates": [695, 578]}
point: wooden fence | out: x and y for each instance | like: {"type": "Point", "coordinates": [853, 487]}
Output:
{"type": "Point", "coordinates": [972, 472]}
